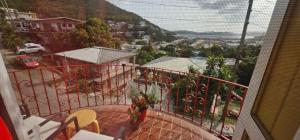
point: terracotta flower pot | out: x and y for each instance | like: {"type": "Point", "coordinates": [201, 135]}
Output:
{"type": "Point", "coordinates": [143, 116]}
{"type": "Point", "coordinates": [135, 124]}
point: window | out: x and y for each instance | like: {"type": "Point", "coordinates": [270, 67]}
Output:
{"type": "Point", "coordinates": [32, 47]}
{"type": "Point", "coordinates": [276, 109]}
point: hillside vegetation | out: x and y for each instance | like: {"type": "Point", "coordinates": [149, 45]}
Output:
{"type": "Point", "coordinates": [79, 9]}
{"type": "Point", "coordinates": [85, 9]}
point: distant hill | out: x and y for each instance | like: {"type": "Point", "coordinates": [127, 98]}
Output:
{"type": "Point", "coordinates": [207, 35]}
{"type": "Point", "coordinates": [214, 35]}
{"type": "Point", "coordinates": [203, 33]}
{"type": "Point", "coordinates": [83, 9]}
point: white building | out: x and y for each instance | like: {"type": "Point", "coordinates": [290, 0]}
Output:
{"type": "Point", "coordinates": [12, 14]}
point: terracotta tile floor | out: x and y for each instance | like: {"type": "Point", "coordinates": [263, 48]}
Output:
{"type": "Point", "coordinates": [155, 127]}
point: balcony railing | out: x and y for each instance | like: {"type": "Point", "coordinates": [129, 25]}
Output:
{"type": "Point", "coordinates": [208, 102]}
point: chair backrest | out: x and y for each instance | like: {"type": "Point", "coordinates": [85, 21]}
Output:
{"type": "Point", "coordinates": [63, 127]}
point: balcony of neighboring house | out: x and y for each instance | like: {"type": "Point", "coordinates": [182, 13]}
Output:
{"type": "Point", "coordinates": [189, 106]}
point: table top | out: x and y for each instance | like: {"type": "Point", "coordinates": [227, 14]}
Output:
{"type": "Point", "coordinates": [86, 135]}
{"type": "Point", "coordinates": [85, 117]}
{"type": "Point", "coordinates": [45, 130]}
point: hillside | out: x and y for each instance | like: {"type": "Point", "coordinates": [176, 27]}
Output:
{"type": "Point", "coordinates": [83, 9]}
{"type": "Point", "coordinates": [80, 9]}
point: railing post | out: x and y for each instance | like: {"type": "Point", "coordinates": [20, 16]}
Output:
{"type": "Point", "coordinates": [195, 97]}
{"type": "Point", "coordinates": [177, 95]}
{"type": "Point", "coordinates": [102, 88]}
{"type": "Point", "coordinates": [205, 101]}
{"type": "Point", "coordinates": [124, 78]}
{"type": "Point", "coordinates": [77, 87]}
{"type": "Point", "coordinates": [185, 99]}
{"type": "Point", "coordinates": [67, 92]}
{"type": "Point", "coordinates": [228, 99]}
{"type": "Point", "coordinates": [34, 94]}
{"type": "Point", "coordinates": [216, 102]}
{"type": "Point", "coordinates": [54, 81]}
{"type": "Point", "coordinates": [109, 83]}
{"type": "Point", "coordinates": [117, 83]}
{"type": "Point", "coordinates": [146, 79]}
{"type": "Point", "coordinates": [242, 102]}
{"type": "Point", "coordinates": [160, 103]}
{"type": "Point", "coordinates": [93, 86]}
{"type": "Point", "coordinates": [45, 90]}
{"type": "Point", "coordinates": [18, 87]}
{"type": "Point", "coordinates": [169, 93]}
{"type": "Point", "coordinates": [85, 84]}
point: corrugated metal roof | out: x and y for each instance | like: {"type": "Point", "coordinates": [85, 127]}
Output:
{"type": "Point", "coordinates": [181, 64]}
{"type": "Point", "coordinates": [177, 63]}
{"type": "Point", "coordinates": [96, 55]}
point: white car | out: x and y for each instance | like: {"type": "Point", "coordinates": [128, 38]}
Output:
{"type": "Point", "coordinates": [31, 48]}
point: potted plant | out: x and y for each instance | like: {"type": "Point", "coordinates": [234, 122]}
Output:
{"type": "Point", "coordinates": [140, 103]}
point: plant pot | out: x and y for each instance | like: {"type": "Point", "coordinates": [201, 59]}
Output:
{"type": "Point", "coordinates": [143, 116]}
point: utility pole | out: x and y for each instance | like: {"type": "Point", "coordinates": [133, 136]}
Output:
{"type": "Point", "coordinates": [242, 41]}
{"type": "Point", "coordinates": [7, 10]}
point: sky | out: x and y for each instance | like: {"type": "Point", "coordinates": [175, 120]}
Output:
{"type": "Point", "coordinates": [201, 15]}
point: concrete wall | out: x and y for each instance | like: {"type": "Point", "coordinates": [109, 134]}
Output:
{"type": "Point", "coordinates": [11, 107]}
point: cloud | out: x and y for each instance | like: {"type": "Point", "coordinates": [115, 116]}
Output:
{"type": "Point", "coordinates": [224, 6]}
{"type": "Point", "coordinates": [231, 9]}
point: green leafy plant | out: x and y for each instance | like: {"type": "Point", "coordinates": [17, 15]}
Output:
{"type": "Point", "coordinates": [141, 101]}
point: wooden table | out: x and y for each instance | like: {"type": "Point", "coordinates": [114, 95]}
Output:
{"type": "Point", "coordinates": [85, 117]}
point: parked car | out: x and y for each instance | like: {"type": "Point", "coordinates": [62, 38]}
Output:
{"type": "Point", "coordinates": [31, 48]}
{"type": "Point", "coordinates": [26, 61]}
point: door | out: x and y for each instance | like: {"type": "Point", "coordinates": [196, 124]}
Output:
{"type": "Point", "coordinates": [32, 49]}
{"type": "Point", "coordinates": [271, 109]}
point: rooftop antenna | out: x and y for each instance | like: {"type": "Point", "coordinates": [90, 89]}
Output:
{"type": "Point", "coordinates": [98, 60]}
{"type": "Point", "coordinates": [66, 63]}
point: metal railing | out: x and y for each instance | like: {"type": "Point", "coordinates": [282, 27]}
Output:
{"type": "Point", "coordinates": [212, 103]}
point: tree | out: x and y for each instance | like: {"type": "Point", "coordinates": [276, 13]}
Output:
{"type": "Point", "coordinates": [247, 64]}
{"type": "Point", "coordinates": [215, 50]}
{"type": "Point", "coordinates": [187, 52]}
{"type": "Point", "coordinates": [93, 33]}
{"type": "Point", "coordinates": [147, 54]}
{"type": "Point", "coordinates": [170, 50]}
{"type": "Point", "coordinates": [216, 68]}
{"type": "Point", "coordinates": [143, 57]}
{"type": "Point", "coordinates": [246, 68]}
{"type": "Point", "coordinates": [10, 39]}
{"type": "Point", "coordinates": [2, 14]}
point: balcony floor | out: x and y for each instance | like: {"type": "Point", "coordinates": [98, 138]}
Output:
{"type": "Point", "coordinates": [155, 127]}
